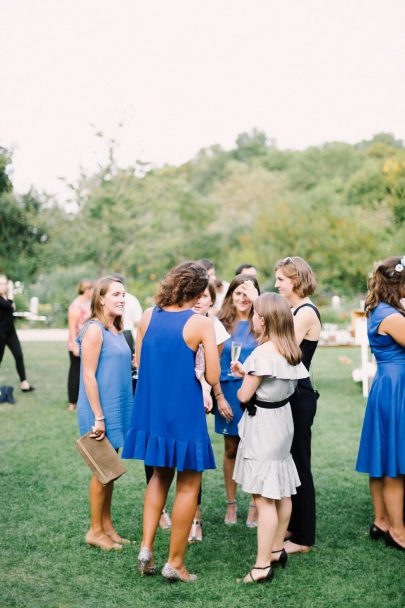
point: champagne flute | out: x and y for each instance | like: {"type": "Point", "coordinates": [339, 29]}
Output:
{"type": "Point", "coordinates": [236, 348]}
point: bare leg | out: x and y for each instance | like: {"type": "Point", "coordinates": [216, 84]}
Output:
{"type": "Point", "coordinates": [184, 506]}
{"type": "Point", "coordinates": [107, 522]}
{"type": "Point", "coordinates": [393, 492]}
{"type": "Point", "coordinates": [96, 535]}
{"type": "Point", "coordinates": [380, 514]}
{"type": "Point", "coordinates": [283, 507]}
{"type": "Point", "coordinates": [267, 522]}
{"type": "Point", "coordinates": [155, 500]}
{"type": "Point", "coordinates": [195, 533]}
{"type": "Point", "coordinates": [230, 450]}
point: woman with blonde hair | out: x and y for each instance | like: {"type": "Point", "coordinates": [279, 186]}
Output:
{"type": "Point", "coordinates": [296, 282]}
{"type": "Point", "coordinates": [78, 314]}
{"type": "Point", "coordinates": [105, 396]}
{"type": "Point", "coordinates": [382, 444]}
{"type": "Point", "coordinates": [264, 466]}
{"type": "Point", "coordinates": [168, 428]}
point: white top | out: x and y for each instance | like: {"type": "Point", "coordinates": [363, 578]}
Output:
{"type": "Point", "coordinates": [132, 312]}
{"type": "Point", "coordinates": [221, 334]}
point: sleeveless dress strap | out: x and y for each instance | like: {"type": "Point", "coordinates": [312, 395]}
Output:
{"type": "Point", "coordinates": [85, 327]}
{"type": "Point", "coordinates": [314, 308]}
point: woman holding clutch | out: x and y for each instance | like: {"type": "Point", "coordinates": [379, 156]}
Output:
{"type": "Point", "coordinates": [105, 396]}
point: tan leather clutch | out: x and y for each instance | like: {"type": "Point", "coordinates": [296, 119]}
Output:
{"type": "Point", "coordinates": [101, 458]}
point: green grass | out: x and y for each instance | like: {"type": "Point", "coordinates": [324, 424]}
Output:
{"type": "Point", "coordinates": [45, 563]}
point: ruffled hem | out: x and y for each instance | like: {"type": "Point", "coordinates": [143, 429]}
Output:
{"type": "Point", "coordinates": [160, 451]}
{"type": "Point", "coordinates": [275, 479]}
{"type": "Point", "coordinates": [260, 363]}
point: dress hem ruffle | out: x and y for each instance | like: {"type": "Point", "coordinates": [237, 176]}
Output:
{"type": "Point", "coordinates": [275, 479]}
{"type": "Point", "coordinates": [161, 451]}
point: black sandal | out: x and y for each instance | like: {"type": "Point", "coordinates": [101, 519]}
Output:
{"type": "Point", "coordinates": [266, 579]}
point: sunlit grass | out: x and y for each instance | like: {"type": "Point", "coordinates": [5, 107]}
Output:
{"type": "Point", "coordinates": [44, 562]}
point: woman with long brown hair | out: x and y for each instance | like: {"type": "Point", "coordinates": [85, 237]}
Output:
{"type": "Point", "coordinates": [382, 443]}
{"type": "Point", "coordinates": [105, 396]}
{"type": "Point", "coordinates": [236, 315]}
{"type": "Point", "coordinates": [264, 465]}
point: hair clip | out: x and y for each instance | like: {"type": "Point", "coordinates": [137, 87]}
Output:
{"type": "Point", "coordinates": [401, 266]}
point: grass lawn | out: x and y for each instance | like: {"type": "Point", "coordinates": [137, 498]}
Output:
{"type": "Point", "coordinates": [45, 563]}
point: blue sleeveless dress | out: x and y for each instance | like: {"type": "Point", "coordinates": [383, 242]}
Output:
{"type": "Point", "coordinates": [114, 380]}
{"type": "Point", "coordinates": [382, 443]}
{"type": "Point", "coordinates": [229, 384]}
{"type": "Point", "coordinates": [168, 426]}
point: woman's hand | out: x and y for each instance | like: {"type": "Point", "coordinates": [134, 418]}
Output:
{"type": "Point", "coordinates": [76, 349]}
{"type": "Point", "coordinates": [237, 369]}
{"type": "Point", "coordinates": [224, 409]}
{"type": "Point", "coordinates": [207, 400]}
{"type": "Point", "coordinates": [98, 430]}
{"type": "Point", "coordinates": [249, 290]}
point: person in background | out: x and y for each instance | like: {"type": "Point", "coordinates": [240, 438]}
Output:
{"type": "Point", "coordinates": [105, 396]}
{"type": "Point", "coordinates": [296, 282]}
{"type": "Point", "coordinates": [210, 268]}
{"type": "Point", "coordinates": [78, 314]}
{"type": "Point", "coordinates": [264, 466]}
{"type": "Point", "coordinates": [132, 316]}
{"type": "Point", "coordinates": [202, 307]}
{"type": "Point", "coordinates": [382, 444]}
{"type": "Point", "coordinates": [236, 315]}
{"type": "Point", "coordinates": [247, 269]}
{"type": "Point", "coordinates": [168, 428]}
{"type": "Point", "coordinates": [8, 334]}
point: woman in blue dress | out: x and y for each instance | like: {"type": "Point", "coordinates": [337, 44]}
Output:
{"type": "Point", "coordinates": [105, 396]}
{"type": "Point", "coordinates": [168, 427]}
{"type": "Point", "coordinates": [382, 443]}
{"type": "Point", "coordinates": [236, 315]}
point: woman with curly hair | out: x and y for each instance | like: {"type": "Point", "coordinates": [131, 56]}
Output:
{"type": "Point", "coordinates": [168, 429]}
{"type": "Point", "coordinates": [382, 443]}
{"type": "Point", "coordinates": [236, 315]}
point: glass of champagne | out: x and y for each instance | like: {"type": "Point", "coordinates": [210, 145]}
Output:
{"type": "Point", "coordinates": [236, 347]}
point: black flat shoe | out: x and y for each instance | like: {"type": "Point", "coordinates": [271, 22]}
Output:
{"type": "Point", "coordinates": [376, 533]}
{"type": "Point", "coordinates": [28, 390]}
{"type": "Point", "coordinates": [390, 542]}
{"type": "Point", "coordinates": [282, 559]}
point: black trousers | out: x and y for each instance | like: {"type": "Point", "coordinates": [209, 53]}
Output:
{"type": "Point", "coordinates": [73, 378]}
{"type": "Point", "coordinates": [9, 338]}
{"type": "Point", "coordinates": [303, 517]}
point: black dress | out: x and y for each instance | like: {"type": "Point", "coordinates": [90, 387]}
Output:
{"type": "Point", "coordinates": [8, 336]}
{"type": "Point", "coordinates": [303, 407]}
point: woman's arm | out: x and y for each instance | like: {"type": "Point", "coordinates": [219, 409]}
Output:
{"type": "Point", "coordinates": [91, 348]}
{"type": "Point", "coordinates": [306, 324]}
{"type": "Point", "coordinates": [140, 332]}
{"type": "Point", "coordinates": [212, 366]}
{"type": "Point", "coordinates": [73, 319]}
{"type": "Point", "coordinates": [394, 326]}
{"type": "Point", "coordinates": [249, 387]}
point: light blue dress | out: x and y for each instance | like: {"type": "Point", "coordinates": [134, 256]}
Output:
{"type": "Point", "coordinates": [382, 443]}
{"type": "Point", "coordinates": [168, 425]}
{"type": "Point", "coordinates": [114, 380]}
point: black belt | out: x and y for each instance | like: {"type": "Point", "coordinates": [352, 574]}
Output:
{"type": "Point", "coordinates": [268, 405]}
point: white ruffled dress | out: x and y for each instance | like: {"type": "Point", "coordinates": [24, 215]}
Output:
{"type": "Point", "coordinates": [264, 464]}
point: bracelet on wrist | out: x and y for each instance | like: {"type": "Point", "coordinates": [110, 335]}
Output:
{"type": "Point", "coordinates": [99, 418]}
{"type": "Point", "coordinates": [218, 395]}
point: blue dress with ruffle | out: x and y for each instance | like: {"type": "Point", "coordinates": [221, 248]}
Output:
{"type": "Point", "coordinates": [382, 443]}
{"type": "Point", "coordinates": [168, 426]}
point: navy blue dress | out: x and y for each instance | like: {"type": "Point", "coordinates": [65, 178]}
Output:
{"type": "Point", "coordinates": [382, 443]}
{"type": "Point", "coordinates": [168, 426]}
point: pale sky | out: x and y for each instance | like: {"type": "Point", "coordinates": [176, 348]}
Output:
{"type": "Point", "coordinates": [185, 74]}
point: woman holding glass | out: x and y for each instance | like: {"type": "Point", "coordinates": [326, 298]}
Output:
{"type": "Point", "coordinates": [236, 315]}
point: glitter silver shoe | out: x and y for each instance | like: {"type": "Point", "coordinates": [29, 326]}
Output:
{"type": "Point", "coordinates": [170, 574]}
{"type": "Point", "coordinates": [144, 562]}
